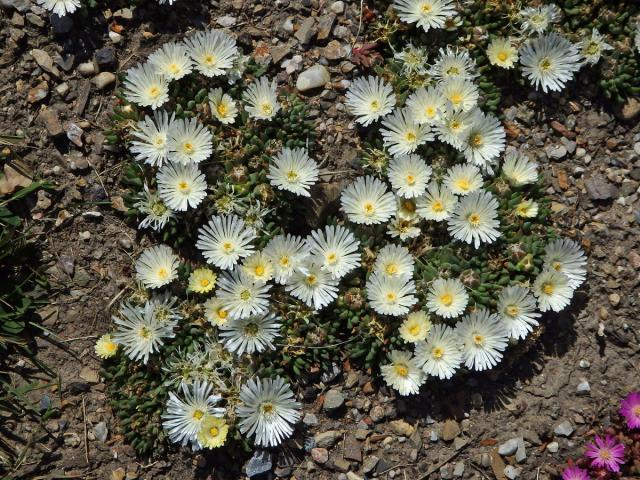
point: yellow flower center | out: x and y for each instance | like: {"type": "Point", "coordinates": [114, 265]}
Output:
{"type": "Point", "coordinates": [154, 91]}
{"type": "Point", "coordinates": [401, 370]}
{"type": "Point", "coordinates": [267, 108]}
{"type": "Point", "coordinates": [414, 329]}
{"type": "Point", "coordinates": [557, 266]}
{"type": "Point", "coordinates": [391, 269]}
{"type": "Point", "coordinates": [183, 186]}
{"type": "Point", "coordinates": [110, 347]}
{"type": "Point", "coordinates": [266, 408]}
{"type": "Point", "coordinates": [411, 137]}
{"type": "Point", "coordinates": [463, 184]}
{"type": "Point", "coordinates": [160, 141]}
{"type": "Point", "coordinates": [548, 288]}
{"type": "Point", "coordinates": [374, 105]}
{"type": "Point", "coordinates": [476, 140]}
{"type": "Point", "coordinates": [292, 176]}
{"type": "Point", "coordinates": [592, 49]}
{"type": "Point", "coordinates": [245, 295]}
{"type": "Point", "coordinates": [198, 414]}
{"type": "Point", "coordinates": [222, 313]}
{"type": "Point", "coordinates": [311, 279]}
{"type": "Point", "coordinates": [174, 68]}
{"type": "Point", "coordinates": [545, 64]}
{"type": "Point", "coordinates": [430, 111]}
{"type": "Point", "coordinates": [222, 109]}
{"type": "Point", "coordinates": [437, 206]}
{"type": "Point", "coordinates": [455, 125]}
{"type": "Point", "coordinates": [636, 410]}
{"type": "Point", "coordinates": [409, 206]}
{"type": "Point", "coordinates": [446, 299]}
{"type": "Point", "coordinates": [368, 208]}
{"type": "Point", "coordinates": [426, 8]}
{"type": "Point", "coordinates": [284, 261]}
{"type": "Point", "coordinates": [332, 258]}
{"type": "Point", "coordinates": [259, 270]}
{"type": "Point", "coordinates": [209, 59]}
{"type": "Point", "coordinates": [605, 454]}
{"type": "Point", "coordinates": [502, 56]}
{"type": "Point", "coordinates": [213, 431]}
{"type": "Point", "coordinates": [478, 340]}
{"type": "Point", "coordinates": [512, 310]}
{"type": "Point", "coordinates": [204, 282]}
{"type": "Point", "coordinates": [188, 148]}
{"type": "Point", "coordinates": [474, 219]}
{"type": "Point", "coordinates": [411, 179]}
{"type": "Point", "coordinates": [456, 98]}
{"type": "Point", "coordinates": [437, 352]}
{"type": "Point", "coordinates": [227, 247]}
{"type": "Point", "coordinates": [163, 273]}
{"type": "Point", "coordinates": [391, 297]}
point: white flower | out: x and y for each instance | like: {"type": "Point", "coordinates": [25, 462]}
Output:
{"type": "Point", "coordinates": [460, 94]}
{"type": "Point", "coordinates": [157, 266]}
{"type": "Point", "coordinates": [335, 249]}
{"type": "Point", "coordinates": [152, 136]}
{"type": "Point", "coordinates": [241, 296]}
{"type": "Point", "coordinates": [527, 209]}
{"type": "Point", "coordinates": [425, 13]}
{"type": "Point", "coordinates": [485, 140]}
{"type": "Point", "coordinates": [453, 126]}
{"type": "Point", "coordinates": [593, 47]}
{"type": "Point", "coordinates": [391, 295]}
{"type": "Point", "coordinates": [437, 203]}
{"type": "Point", "coordinates": [287, 253]}
{"type": "Point", "coordinates": [565, 256]}
{"type": "Point", "coordinates": [483, 337]}
{"type": "Point", "coordinates": [251, 334]}
{"type": "Point", "coordinates": [222, 106]}
{"type": "Point", "coordinates": [185, 416]}
{"type": "Point", "coordinates": [440, 355]}
{"type": "Point", "coordinates": [164, 307]}
{"type": "Point", "coordinates": [267, 411]}
{"type": "Point", "coordinates": [426, 105]}
{"type": "Point", "coordinates": [189, 142]}
{"type": "Point", "coordinates": [181, 186]}
{"type": "Point", "coordinates": [447, 297]}
{"type": "Point", "coordinates": [259, 267]}
{"type": "Point", "coordinates": [369, 98]}
{"type": "Point", "coordinates": [538, 19]}
{"type": "Point", "coordinates": [261, 98]}
{"type": "Point", "coordinates": [409, 175]}
{"type": "Point", "coordinates": [517, 309]}
{"type": "Point", "coordinates": [105, 347]}
{"type": "Point", "coordinates": [293, 170]}
{"type": "Point", "coordinates": [313, 285]}
{"type": "Point", "coordinates": [171, 60]}
{"type": "Point", "coordinates": [213, 52]}
{"type": "Point", "coordinates": [406, 208]}
{"type": "Point", "coordinates": [402, 135]}
{"type": "Point", "coordinates": [519, 170]}
{"type": "Point", "coordinates": [463, 179]}
{"type": "Point", "coordinates": [140, 332]}
{"type": "Point", "coordinates": [453, 63]}
{"type": "Point", "coordinates": [157, 213]}
{"type": "Point", "coordinates": [239, 66]}
{"type": "Point", "coordinates": [404, 229]}
{"type": "Point", "coordinates": [216, 312]}
{"type": "Point", "coordinates": [550, 61]}
{"type": "Point", "coordinates": [475, 219]}
{"type": "Point", "coordinates": [402, 373]}
{"type": "Point", "coordinates": [367, 201]}
{"type": "Point", "coordinates": [144, 87]}
{"type": "Point", "coordinates": [394, 261]}
{"type": "Point", "coordinates": [224, 240]}
{"type": "Point", "coordinates": [502, 53]}
{"type": "Point", "coordinates": [415, 328]}
{"type": "Point", "coordinates": [552, 290]}
{"type": "Point", "coordinates": [414, 59]}
{"type": "Point", "coordinates": [60, 7]}
{"type": "Point", "coordinates": [201, 280]}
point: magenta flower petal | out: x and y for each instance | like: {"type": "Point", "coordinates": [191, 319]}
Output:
{"type": "Point", "coordinates": [630, 409]}
{"type": "Point", "coordinates": [606, 453]}
{"type": "Point", "coordinates": [575, 473]}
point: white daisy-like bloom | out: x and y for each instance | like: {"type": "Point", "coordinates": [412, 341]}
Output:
{"type": "Point", "coordinates": [250, 335]}
{"type": "Point", "coordinates": [186, 415]}
{"type": "Point", "coordinates": [172, 60]}
{"type": "Point", "coordinates": [267, 411]}
{"type": "Point", "coordinates": [404, 229]}
{"type": "Point", "coordinates": [391, 295]}
{"type": "Point", "coordinates": [157, 213]}
{"type": "Point", "coordinates": [483, 337]}
{"type": "Point", "coordinates": [164, 307]}
{"type": "Point", "coordinates": [259, 267]}
{"type": "Point", "coordinates": [335, 249]}
{"type": "Point", "coordinates": [145, 87]}
{"type": "Point", "coordinates": [189, 142]}
{"type": "Point", "coordinates": [60, 7]}
{"type": "Point", "coordinates": [394, 261]}
{"type": "Point", "coordinates": [426, 105]}
{"type": "Point", "coordinates": [152, 138]}
{"type": "Point", "coordinates": [313, 285]}
{"type": "Point", "coordinates": [517, 310]}
{"type": "Point", "coordinates": [287, 254]}
{"type": "Point", "coordinates": [261, 99]}
{"type": "Point", "coordinates": [241, 295]}
{"type": "Point", "coordinates": [239, 67]}
{"type": "Point", "coordinates": [518, 169]}
{"type": "Point", "coordinates": [565, 256]}
{"type": "Point", "coordinates": [452, 127]}
{"type": "Point", "coordinates": [413, 59]}
{"type": "Point", "coordinates": [437, 203]}
{"type": "Point", "coordinates": [538, 19]}
{"type": "Point", "coordinates": [415, 328]}
{"type": "Point", "coordinates": [367, 201]}
{"type": "Point", "coordinates": [485, 140]}
{"type": "Point", "coordinates": [212, 51]}
{"type": "Point", "coordinates": [402, 373]}
{"type": "Point", "coordinates": [181, 186]}
{"type": "Point", "coordinates": [157, 266]}
{"type": "Point", "coordinates": [222, 106]}
{"type": "Point", "coordinates": [140, 332]}
{"type": "Point", "coordinates": [215, 312]}
{"type": "Point", "coordinates": [409, 175]}
{"type": "Point", "coordinates": [550, 61]}
{"type": "Point", "coordinates": [460, 94]}
{"type": "Point", "coordinates": [406, 208]}
{"type": "Point", "coordinates": [527, 209]}
{"type": "Point", "coordinates": [593, 46]}
{"type": "Point", "coordinates": [453, 63]}
{"type": "Point", "coordinates": [502, 53]}
{"type": "Point", "coordinates": [552, 290]}
{"type": "Point", "coordinates": [293, 170]}
{"type": "Point", "coordinates": [369, 98]}
{"type": "Point", "coordinates": [426, 14]}
{"type": "Point", "coordinates": [224, 240]}
{"type": "Point", "coordinates": [440, 355]}
{"type": "Point", "coordinates": [447, 297]}
{"type": "Point", "coordinates": [463, 179]}
{"type": "Point", "coordinates": [475, 219]}
{"type": "Point", "coordinates": [402, 135]}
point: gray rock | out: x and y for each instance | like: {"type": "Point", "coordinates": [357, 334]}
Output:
{"type": "Point", "coordinates": [310, 419]}
{"type": "Point", "coordinates": [44, 60]}
{"type": "Point", "coordinates": [327, 439]}
{"type": "Point", "coordinates": [337, 7]}
{"type": "Point", "coordinates": [556, 152]}
{"type": "Point", "coordinates": [103, 80]}
{"type": "Point", "coordinates": [19, 5]}
{"type": "Point", "coordinates": [370, 463]}
{"type": "Point", "coordinates": [325, 24]}
{"type": "Point", "coordinates": [458, 470]}
{"type": "Point", "coordinates": [512, 472]}
{"type": "Point", "coordinates": [101, 431]}
{"type": "Point", "coordinates": [445, 472]}
{"type": "Point", "coordinates": [599, 188]}
{"type": "Point", "coordinates": [227, 21]}
{"type": "Point", "coordinates": [564, 429]}
{"type": "Point", "coordinates": [105, 57]}
{"type": "Point", "coordinates": [51, 122]}
{"type": "Point", "coordinates": [583, 388]}
{"type": "Point", "coordinates": [553, 447]}
{"type": "Point", "coordinates": [333, 401]}
{"type": "Point", "coordinates": [306, 31]}
{"type": "Point", "coordinates": [433, 437]}
{"type": "Point", "coordinates": [259, 464]}
{"type": "Point", "coordinates": [521, 452]}
{"type": "Point", "coordinates": [313, 77]}
{"type": "Point", "coordinates": [509, 447]}
{"type": "Point", "coordinates": [87, 69]}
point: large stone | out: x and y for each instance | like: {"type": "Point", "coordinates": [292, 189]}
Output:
{"type": "Point", "coordinates": [320, 455]}
{"type": "Point", "coordinates": [509, 447]}
{"type": "Point", "coordinates": [450, 430]}
{"type": "Point", "coordinates": [327, 439]}
{"type": "Point", "coordinates": [631, 108]}
{"type": "Point", "coordinates": [400, 427]}
{"type": "Point", "coordinates": [259, 464]}
{"type": "Point", "coordinates": [564, 429]}
{"type": "Point", "coordinates": [44, 60]}
{"type": "Point", "coordinates": [103, 80]}
{"type": "Point", "coordinates": [306, 31]}
{"type": "Point", "coordinates": [313, 77]}
{"type": "Point", "coordinates": [333, 401]}
{"type": "Point", "coordinates": [599, 188]}
{"type": "Point", "coordinates": [325, 24]}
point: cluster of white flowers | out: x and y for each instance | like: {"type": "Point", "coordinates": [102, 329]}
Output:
{"type": "Point", "coordinates": [67, 7]}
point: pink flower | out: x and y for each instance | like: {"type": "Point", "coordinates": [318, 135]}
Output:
{"type": "Point", "coordinates": [607, 453]}
{"type": "Point", "coordinates": [575, 473]}
{"type": "Point", "coordinates": [630, 409]}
